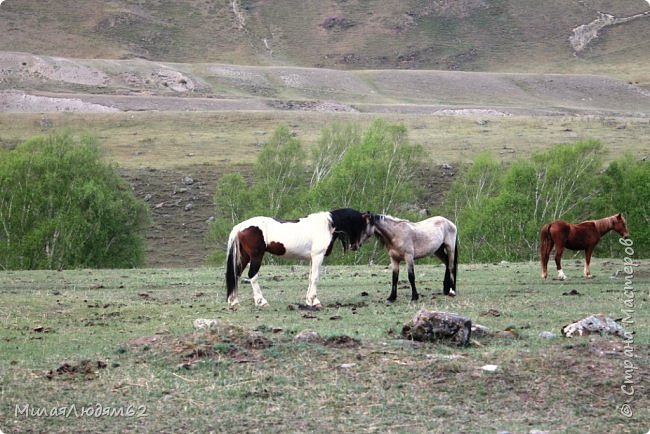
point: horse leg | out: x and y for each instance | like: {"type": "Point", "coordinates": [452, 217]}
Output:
{"type": "Point", "coordinates": [253, 275]}
{"type": "Point", "coordinates": [446, 284]}
{"type": "Point", "coordinates": [452, 269]}
{"type": "Point", "coordinates": [394, 263]}
{"type": "Point", "coordinates": [587, 271]}
{"type": "Point", "coordinates": [312, 292]}
{"type": "Point", "coordinates": [233, 299]}
{"type": "Point", "coordinates": [447, 260]}
{"type": "Point", "coordinates": [411, 273]}
{"type": "Point", "coordinates": [545, 247]}
{"type": "Point", "coordinates": [558, 261]}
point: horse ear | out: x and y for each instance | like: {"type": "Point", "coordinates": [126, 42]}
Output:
{"type": "Point", "coordinates": [619, 215]}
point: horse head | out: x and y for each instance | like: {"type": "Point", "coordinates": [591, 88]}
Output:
{"type": "Point", "coordinates": [351, 227]}
{"type": "Point", "coordinates": [620, 226]}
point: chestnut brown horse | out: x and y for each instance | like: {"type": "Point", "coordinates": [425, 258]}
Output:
{"type": "Point", "coordinates": [582, 236]}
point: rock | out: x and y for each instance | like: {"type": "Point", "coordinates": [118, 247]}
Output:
{"type": "Point", "coordinates": [490, 368]}
{"type": "Point", "coordinates": [308, 336]}
{"type": "Point", "coordinates": [480, 330]}
{"type": "Point", "coordinates": [547, 335]}
{"type": "Point", "coordinates": [434, 326]}
{"type": "Point", "coordinates": [347, 365]}
{"type": "Point", "coordinates": [594, 324]}
{"type": "Point", "coordinates": [202, 323]}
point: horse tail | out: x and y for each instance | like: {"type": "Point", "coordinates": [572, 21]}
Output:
{"type": "Point", "coordinates": [233, 267]}
{"type": "Point", "coordinates": [545, 246]}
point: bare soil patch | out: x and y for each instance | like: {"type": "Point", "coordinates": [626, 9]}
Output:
{"type": "Point", "coordinates": [181, 205]}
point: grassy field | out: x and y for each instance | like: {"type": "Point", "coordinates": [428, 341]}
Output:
{"type": "Point", "coordinates": [92, 342]}
{"type": "Point", "coordinates": [169, 139]}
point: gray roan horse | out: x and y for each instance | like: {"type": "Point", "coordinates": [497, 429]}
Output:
{"type": "Point", "coordinates": [408, 241]}
{"type": "Point", "coordinates": [310, 237]}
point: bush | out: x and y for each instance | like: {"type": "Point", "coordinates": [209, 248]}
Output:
{"type": "Point", "coordinates": [374, 174]}
{"type": "Point", "coordinates": [626, 189]}
{"type": "Point", "coordinates": [61, 207]}
{"type": "Point", "coordinates": [499, 216]}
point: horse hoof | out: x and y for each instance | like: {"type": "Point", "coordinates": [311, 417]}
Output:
{"type": "Point", "coordinates": [389, 301]}
{"type": "Point", "coordinates": [452, 293]}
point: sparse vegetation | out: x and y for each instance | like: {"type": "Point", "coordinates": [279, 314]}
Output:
{"type": "Point", "coordinates": [125, 337]}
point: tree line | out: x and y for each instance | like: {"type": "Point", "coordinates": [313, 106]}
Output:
{"type": "Point", "coordinates": [61, 206]}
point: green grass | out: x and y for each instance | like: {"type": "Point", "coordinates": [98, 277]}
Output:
{"type": "Point", "coordinates": [248, 375]}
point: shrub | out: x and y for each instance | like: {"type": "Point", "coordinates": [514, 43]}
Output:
{"type": "Point", "coordinates": [626, 189]}
{"type": "Point", "coordinates": [61, 207]}
{"type": "Point", "coordinates": [499, 216]}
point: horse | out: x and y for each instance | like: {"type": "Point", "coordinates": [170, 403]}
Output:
{"type": "Point", "coordinates": [408, 241]}
{"type": "Point", "coordinates": [581, 236]}
{"type": "Point", "coordinates": [311, 237]}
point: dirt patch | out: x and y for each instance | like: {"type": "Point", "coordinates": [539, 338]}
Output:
{"type": "Point", "coordinates": [181, 206]}
{"type": "Point", "coordinates": [85, 369]}
{"type": "Point", "coordinates": [342, 341]}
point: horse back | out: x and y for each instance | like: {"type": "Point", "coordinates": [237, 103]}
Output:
{"type": "Point", "coordinates": [432, 233]}
{"type": "Point", "coordinates": [574, 236]}
{"type": "Point", "coordinates": [292, 239]}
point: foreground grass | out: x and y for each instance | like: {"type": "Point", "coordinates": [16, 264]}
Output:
{"type": "Point", "coordinates": [134, 330]}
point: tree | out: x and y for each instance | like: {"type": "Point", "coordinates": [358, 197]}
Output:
{"type": "Point", "coordinates": [375, 174]}
{"type": "Point", "coordinates": [626, 189]}
{"type": "Point", "coordinates": [500, 215]}
{"type": "Point", "coordinates": [61, 207]}
{"type": "Point", "coordinates": [467, 197]}
{"type": "Point", "coordinates": [370, 171]}
{"type": "Point", "coordinates": [334, 142]}
{"type": "Point", "coordinates": [279, 174]}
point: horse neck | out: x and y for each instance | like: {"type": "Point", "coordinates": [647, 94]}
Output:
{"type": "Point", "coordinates": [604, 225]}
{"type": "Point", "coordinates": [385, 228]}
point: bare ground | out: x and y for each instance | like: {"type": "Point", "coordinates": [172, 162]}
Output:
{"type": "Point", "coordinates": [180, 202]}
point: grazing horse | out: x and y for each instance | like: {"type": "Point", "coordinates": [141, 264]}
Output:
{"type": "Point", "coordinates": [581, 236]}
{"type": "Point", "coordinates": [408, 241]}
{"type": "Point", "coordinates": [310, 237]}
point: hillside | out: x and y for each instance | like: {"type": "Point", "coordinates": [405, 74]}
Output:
{"type": "Point", "coordinates": [585, 36]}
{"type": "Point", "coordinates": [48, 84]}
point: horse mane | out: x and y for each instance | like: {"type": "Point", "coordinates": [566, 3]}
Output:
{"type": "Point", "coordinates": [380, 230]}
{"type": "Point", "coordinates": [604, 224]}
{"type": "Point", "coordinates": [348, 225]}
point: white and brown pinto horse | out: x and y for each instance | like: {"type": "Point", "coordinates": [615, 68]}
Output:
{"type": "Point", "coordinates": [408, 241]}
{"type": "Point", "coordinates": [310, 237]}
